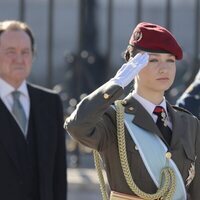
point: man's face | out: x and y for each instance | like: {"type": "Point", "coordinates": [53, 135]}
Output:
{"type": "Point", "coordinates": [15, 57]}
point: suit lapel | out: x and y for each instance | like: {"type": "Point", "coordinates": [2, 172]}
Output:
{"type": "Point", "coordinates": [141, 116]}
{"type": "Point", "coordinates": [38, 116]}
{"type": "Point", "coordinates": [8, 123]}
{"type": "Point", "coordinates": [41, 129]}
{"type": "Point", "coordinates": [177, 125]}
{"type": "Point", "coordinates": [177, 143]}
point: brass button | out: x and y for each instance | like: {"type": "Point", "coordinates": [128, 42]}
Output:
{"type": "Point", "coordinates": [131, 108]}
{"type": "Point", "coordinates": [106, 96]}
{"type": "Point", "coordinates": [124, 102]}
{"type": "Point", "coordinates": [168, 155]}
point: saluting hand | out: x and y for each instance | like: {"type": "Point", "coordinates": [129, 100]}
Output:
{"type": "Point", "coordinates": [130, 69]}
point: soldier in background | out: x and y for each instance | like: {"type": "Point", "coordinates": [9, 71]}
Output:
{"type": "Point", "coordinates": [190, 99]}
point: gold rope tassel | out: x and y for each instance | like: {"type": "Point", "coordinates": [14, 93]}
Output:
{"type": "Point", "coordinates": [100, 175]}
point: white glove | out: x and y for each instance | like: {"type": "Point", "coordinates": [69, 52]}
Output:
{"type": "Point", "coordinates": [130, 69]}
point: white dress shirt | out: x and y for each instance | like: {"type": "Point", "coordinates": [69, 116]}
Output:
{"type": "Point", "coordinates": [149, 106]}
{"type": "Point", "coordinates": [6, 96]}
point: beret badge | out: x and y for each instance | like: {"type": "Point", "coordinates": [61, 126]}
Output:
{"type": "Point", "coordinates": [137, 36]}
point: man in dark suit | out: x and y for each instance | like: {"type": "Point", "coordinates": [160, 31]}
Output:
{"type": "Point", "coordinates": [190, 99]}
{"type": "Point", "coordinates": [32, 139]}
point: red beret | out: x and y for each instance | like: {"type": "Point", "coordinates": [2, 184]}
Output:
{"type": "Point", "coordinates": [154, 38]}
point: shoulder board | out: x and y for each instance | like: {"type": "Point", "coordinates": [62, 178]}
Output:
{"type": "Point", "coordinates": [182, 109]}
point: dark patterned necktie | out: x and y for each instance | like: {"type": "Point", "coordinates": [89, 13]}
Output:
{"type": "Point", "coordinates": [18, 111]}
{"type": "Point", "coordinates": [162, 123]}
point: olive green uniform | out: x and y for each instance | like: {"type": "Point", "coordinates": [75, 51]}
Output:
{"type": "Point", "coordinates": [93, 124]}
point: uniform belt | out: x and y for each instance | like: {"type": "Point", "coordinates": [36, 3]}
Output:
{"type": "Point", "coordinates": [121, 196]}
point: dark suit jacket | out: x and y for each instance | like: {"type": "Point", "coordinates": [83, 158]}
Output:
{"type": "Point", "coordinates": [47, 113]}
{"type": "Point", "coordinates": [93, 124]}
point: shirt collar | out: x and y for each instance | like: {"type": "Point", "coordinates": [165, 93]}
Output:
{"type": "Point", "coordinates": [147, 104]}
{"type": "Point", "coordinates": [6, 88]}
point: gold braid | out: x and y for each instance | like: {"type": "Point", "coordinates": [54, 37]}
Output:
{"type": "Point", "coordinates": [167, 177]}
{"type": "Point", "coordinates": [100, 175]}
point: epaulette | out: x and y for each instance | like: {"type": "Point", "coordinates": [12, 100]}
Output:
{"type": "Point", "coordinates": [181, 109]}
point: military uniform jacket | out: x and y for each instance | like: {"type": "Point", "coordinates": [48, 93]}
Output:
{"type": "Point", "coordinates": [93, 123]}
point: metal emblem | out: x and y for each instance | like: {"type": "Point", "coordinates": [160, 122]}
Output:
{"type": "Point", "coordinates": [137, 36]}
{"type": "Point", "coordinates": [191, 172]}
{"type": "Point", "coordinates": [164, 118]}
